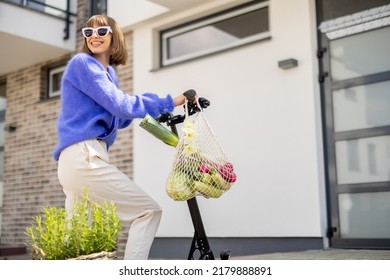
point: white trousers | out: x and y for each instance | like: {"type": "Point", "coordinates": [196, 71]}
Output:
{"type": "Point", "coordinates": [87, 164]}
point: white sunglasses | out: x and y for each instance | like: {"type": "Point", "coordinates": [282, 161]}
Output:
{"type": "Point", "coordinates": [101, 31]}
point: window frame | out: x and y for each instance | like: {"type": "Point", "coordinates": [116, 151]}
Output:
{"type": "Point", "coordinates": [166, 34]}
{"type": "Point", "coordinates": [51, 72]}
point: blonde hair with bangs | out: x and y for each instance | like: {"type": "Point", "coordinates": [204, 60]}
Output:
{"type": "Point", "coordinates": [118, 44]}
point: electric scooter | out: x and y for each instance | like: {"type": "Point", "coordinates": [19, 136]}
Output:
{"type": "Point", "coordinates": [200, 242]}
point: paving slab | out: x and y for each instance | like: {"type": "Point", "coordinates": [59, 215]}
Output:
{"type": "Point", "coordinates": [327, 254]}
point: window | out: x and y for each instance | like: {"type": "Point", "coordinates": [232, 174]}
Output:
{"type": "Point", "coordinates": [55, 76]}
{"type": "Point", "coordinates": [98, 7]}
{"type": "Point", "coordinates": [236, 27]}
{"type": "Point", "coordinates": [332, 9]}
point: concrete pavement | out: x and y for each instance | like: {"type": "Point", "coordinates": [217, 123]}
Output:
{"type": "Point", "coordinates": [327, 254]}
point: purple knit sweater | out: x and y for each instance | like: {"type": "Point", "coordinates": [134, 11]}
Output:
{"type": "Point", "coordinates": [92, 105]}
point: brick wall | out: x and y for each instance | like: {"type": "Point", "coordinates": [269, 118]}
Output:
{"type": "Point", "coordinates": [30, 179]}
{"type": "Point", "coordinates": [30, 173]}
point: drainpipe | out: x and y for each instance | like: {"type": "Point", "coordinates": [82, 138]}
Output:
{"type": "Point", "coordinates": [67, 20]}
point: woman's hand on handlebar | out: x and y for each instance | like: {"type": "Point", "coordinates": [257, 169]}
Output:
{"type": "Point", "coordinates": [181, 99]}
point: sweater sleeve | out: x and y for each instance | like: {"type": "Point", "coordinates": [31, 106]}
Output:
{"type": "Point", "coordinates": [89, 76]}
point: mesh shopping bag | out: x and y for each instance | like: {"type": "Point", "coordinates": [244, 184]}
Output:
{"type": "Point", "coordinates": [200, 166]}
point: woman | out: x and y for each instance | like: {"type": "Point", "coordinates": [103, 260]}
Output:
{"type": "Point", "coordinates": [93, 108]}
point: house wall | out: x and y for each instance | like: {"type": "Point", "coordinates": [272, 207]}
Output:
{"type": "Point", "coordinates": [30, 172]}
{"type": "Point", "coordinates": [268, 121]}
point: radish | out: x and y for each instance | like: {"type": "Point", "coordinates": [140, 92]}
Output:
{"type": "Point", "coordinates": [229, 166]}
{"type": "Point", "coordinates": [204, 168]}
{"type": "Point", "coordinates": [227, 173]}
{"type": "Point", "coordinates": [232, 177]}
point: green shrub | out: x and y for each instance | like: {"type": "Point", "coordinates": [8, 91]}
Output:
{"type": "Point", "coordinates": [58, 234]}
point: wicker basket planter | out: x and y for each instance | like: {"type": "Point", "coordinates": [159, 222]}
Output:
{"type": "Point", "coordinates": [38, 254]}
{"type": "Point", "coordinates": [97, 256]}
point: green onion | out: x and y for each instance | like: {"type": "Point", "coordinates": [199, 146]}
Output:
{"type": "Point", "coordinates": [159, 131]}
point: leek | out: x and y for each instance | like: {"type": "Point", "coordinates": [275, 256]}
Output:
{"type": "Point", "coordinates": [159, 131]}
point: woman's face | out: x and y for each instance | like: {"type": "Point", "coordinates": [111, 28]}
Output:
{"type": "Point", "coordinates": [99, 45]}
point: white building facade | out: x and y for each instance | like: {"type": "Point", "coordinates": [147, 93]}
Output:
{"type": "Point", "coordinates": [267, 119]}
{"type": "Point", "coordinates": [278, 97]}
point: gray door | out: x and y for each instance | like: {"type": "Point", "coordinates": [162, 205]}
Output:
{"type": "Point", "coordinates": [356, 98]}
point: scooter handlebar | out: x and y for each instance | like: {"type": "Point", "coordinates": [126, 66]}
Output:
{"type": "Point", "coordinates": [190, 95]}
